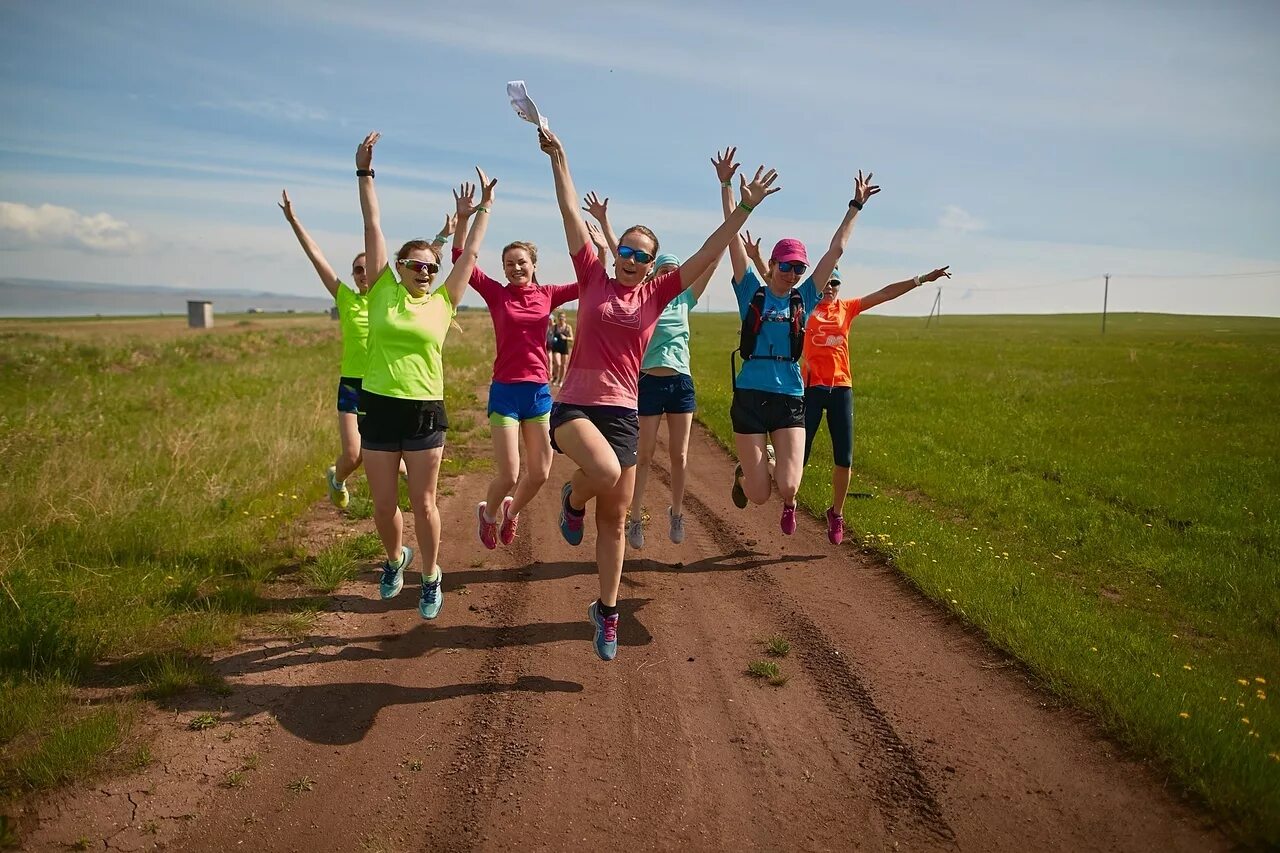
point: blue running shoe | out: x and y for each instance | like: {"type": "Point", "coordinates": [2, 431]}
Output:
{"type": "Point", "coordinates": [606, 639]}
{"type": "Point", "coordinates": [393, 573]}
{"type": "Point", "coordinates": [570, 525]}
{"type": "Point", "coordinates": [432, 597]}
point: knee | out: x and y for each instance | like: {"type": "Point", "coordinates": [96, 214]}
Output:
{"type": "Point", "coordinates": [607, 477]}
{"type": "Point", "coordinates": [385, 510]}
{"type": "Point", "coordinates": [679, 459]}
{"type": "Point", "coordinates": [610, 513]}
{"type": "Point", "coordinates": [538, 474]}
{"type": "Point", "coordinates": [425, 508]}
{"type": "Point", "coordinates": [505, 482]}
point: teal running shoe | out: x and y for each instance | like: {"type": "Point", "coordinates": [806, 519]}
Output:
{"type": "Point", "coordinates": [432, 598]}
{"type": "Point", "coordinates": [570, 524]}
{"type": "Point", "coordinates": [606, 639]}
{"type": "Point", "coordinates": [393, 573]}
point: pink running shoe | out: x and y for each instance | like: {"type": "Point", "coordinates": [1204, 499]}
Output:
{"type": "Point", "coordinates": [507, 532]}
{"type": "Point", "coordinates": [487, 530]}
{"type": "Point", "coordinates": [789, 519]}
{"type": "Point", "coordinates": [835, 526]}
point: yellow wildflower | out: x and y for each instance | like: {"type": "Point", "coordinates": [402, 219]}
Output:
{"type": "Point", "coordinates": [1243, 682]}
{"type": "Point", "coordinates": [1260, 680]}
{"type": "Point", "coordinates": [1186, 666]}
{"type": "Point", "coordinates": [1093, 648]}
{"type": "Point", "coordinates": [1184, 715]}
{"type": "Point", "coordinates": [1244, 720]}
{"type": "Point", "coordinates": [1156, 674]}
{"type": "Point", "coordinates": [1262, 694]}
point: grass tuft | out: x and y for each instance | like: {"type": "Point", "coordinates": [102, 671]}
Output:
{"type": "Point", "coordinates": [777, 646]}
{"type": "Point", "coordinates": [201, 722]}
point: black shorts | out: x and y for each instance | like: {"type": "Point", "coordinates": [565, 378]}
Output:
{"type": "Point", "coordinates": [619, 425]}
{"type": "Point", "coordinates": [393, 424]}
{"type": "Point", "coordinates": [349, 395]}
{"type": "Point", "coordinates": [561, 347]}
{"type": "Point", "coordinates": [666, 395]}
{"type": "Point", "coordinates": [761, 412]}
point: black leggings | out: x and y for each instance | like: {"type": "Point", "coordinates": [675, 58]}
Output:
{"type": "Point", "coordinates": [838, 405]}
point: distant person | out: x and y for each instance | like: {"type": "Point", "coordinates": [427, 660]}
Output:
{"type": "Point", "coordinates": [828, 380]}
{"type": "Point", "coordinates": [594, 420]}
{"type": "Point", "coordinates": [666, 380]}
{"type": "Point", "coordinates": [519, 395]}
{"type": "Point", "coordinates": [561, 342]}
{"type": "Point", "coordinates": [768, 394]}
{"type": "Point", "coordinates": [403, 393]}
{"type": "Point", "coordinates": [353, 319]}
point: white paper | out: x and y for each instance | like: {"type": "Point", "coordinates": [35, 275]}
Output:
{"type": "Point", "coordinates": [524, 105]}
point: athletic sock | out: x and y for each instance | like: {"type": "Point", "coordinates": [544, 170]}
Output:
{"type": "Point", "coordinates": [435, 576]}
{"type": "Point", "coordinates": [568, 507]}
{"type": "Point", "coordinates": [605, 609]}
{"type": "Point", "coordinates": [487, 519]}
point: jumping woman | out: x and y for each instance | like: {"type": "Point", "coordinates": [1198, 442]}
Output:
{"type": "Point", "coordinates": [403, 394]}
{"type": "Point", "coordinates": [768, 393]}
{"type": "Point", "coordinates": [594, 421]}
{"type": "Point", "coordinates": [666, 380]}
{"type": "Point", "coordinates": [519, 397]}
{"type": "Point", "coordinates": [828, 380]}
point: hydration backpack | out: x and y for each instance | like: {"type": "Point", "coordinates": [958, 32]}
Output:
{"type": "Point", "coordinates": [754, 320]}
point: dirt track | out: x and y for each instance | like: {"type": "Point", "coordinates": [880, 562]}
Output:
{"type": "Point", "coordinates": [496, 727]}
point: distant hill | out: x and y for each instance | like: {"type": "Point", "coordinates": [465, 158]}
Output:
{"type": "Point", "coordinates": [28, 297]}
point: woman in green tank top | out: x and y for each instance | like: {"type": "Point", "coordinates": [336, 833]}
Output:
{"type": "Point", "coordinates": [402, 397]}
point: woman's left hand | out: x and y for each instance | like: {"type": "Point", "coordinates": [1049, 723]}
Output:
{"type": "Point", "coordinates": [936, 274]}
{"type": "Point", "coordinates": [863, 189]}
{"type": "Point", "coordinates": [486, 187]}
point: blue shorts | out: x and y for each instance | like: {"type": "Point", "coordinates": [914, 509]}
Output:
{"type": "Point", "coordinates": [512, 403]}
{"type": "Point", "coordinates": [665, 395]}
{"type": "Point", "coordinates": [349, 395]}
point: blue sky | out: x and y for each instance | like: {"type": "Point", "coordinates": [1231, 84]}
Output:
{"type": "Point", "coordinates": [1032, 146]}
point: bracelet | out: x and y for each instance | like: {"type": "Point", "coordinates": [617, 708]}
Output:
{"type": "Point", "coordinates": [441, 238]}
{"type": "Point", "coordinates": [726, 183]}
{"type": "Point", "coordinates": [481, 209]}
{"type": "Point", "coordinates": [364, 173]}
{"type": "Point", "coordinates": [748, 208]}
{"type": "Point", "coordinates": [855, 204]}
{"type": "Point", "coordinates": [917, 281]}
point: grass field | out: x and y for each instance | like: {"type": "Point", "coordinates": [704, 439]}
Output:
{"type": "Point", "coordinates": [1107, 509]}
{"type": "Point", "coordinates": [151, 477]}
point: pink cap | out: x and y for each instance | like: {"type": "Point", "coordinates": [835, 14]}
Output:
{"type": "Point", "coordinates": [789, 250]}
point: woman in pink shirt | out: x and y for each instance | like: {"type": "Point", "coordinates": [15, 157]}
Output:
{"type": "Point", "coordinates": [519, 397]}
{"type": "Point", "coordinates": [594, 420]}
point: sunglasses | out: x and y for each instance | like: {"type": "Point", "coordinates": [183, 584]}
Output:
{"type": "Point", "coordinates": [627, 253]}
{"type": "Point", "coordinates": [358, 268]}
{"type": "Point", "coordinates": [792, 266]}
{"type": "Point", "coordinates": [419, 266]}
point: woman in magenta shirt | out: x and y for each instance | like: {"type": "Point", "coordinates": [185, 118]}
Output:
{"type": "Point", "coordinates": [519, 397]}
{"type": "Point", "coordinates": [594, 421]}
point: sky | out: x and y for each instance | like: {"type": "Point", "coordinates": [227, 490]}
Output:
{"type": "Point", "coordinates": [1032, 146]}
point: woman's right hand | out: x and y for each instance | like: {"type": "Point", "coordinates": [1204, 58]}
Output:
{"type": "Point", "coordinates": [364, 154]}
{"type": "Point", "coordinates": [464, 200]}
{"type": "Point", "coordinates": [550, 144]}
{"type": "Point", "coordinates": [286, 205]}
{"type": "Point", "coordinates": [725, 167]}
{"type": "Point", "coordinates": [759, 188]}
{"type": "Point", "coordinates": [597, 237]}
{"type": "Point", "coordinates": [752, 247]}
{"type": "Point", "coordinates": [596, 208]}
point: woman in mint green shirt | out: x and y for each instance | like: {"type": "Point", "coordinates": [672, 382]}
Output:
{"type": "Point", "coordinates": [665, 387]}
{"type": "Point", "coordinates": [402, 397]}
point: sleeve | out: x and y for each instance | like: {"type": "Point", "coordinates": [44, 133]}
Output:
{"type": "Point", "coordinates": [688, 297]}
{"type": "Point", "coordinates": [443, 293]}
{"type": "Point", "coordinates": [810, 293]}
{"type": "Point", "coordinates": [342, 296]}
{"type": "Point", "coordinates": [667, 287]}
{"type": "Point", "coordinates": [384, 280]}
{"type": "Point", "coordinates": [744, 290]}
{"type": "Point", "coordinates": [853, 307]}
{"type": "Point", "coordinates": [587, 266]}
{"type": "Point", "coordinates": [481, 283]}
{"type": "Point", "coordinates": [562, 293]}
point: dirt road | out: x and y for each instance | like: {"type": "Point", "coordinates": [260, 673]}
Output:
{"type": "Point", "coordinates": [496, 727]}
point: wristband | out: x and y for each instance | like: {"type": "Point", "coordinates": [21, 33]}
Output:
{"type": "Point", "coordinates": [364, 173]}
{"type": "Point", "coordinates": [441, 238]}
{"type": "Point", "coordinates": [855, 204]}
{"type": "Point", "coordinates": [481, 209]}
{"type": "Point", "coordinates": [726, 183]}
{"type": "Point", "coordinates": [748, 208]}
{"type": "Point", "coordinates": [917, 281]}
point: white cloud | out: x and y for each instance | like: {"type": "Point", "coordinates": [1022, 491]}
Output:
{"type": "Point", "coordinates": [51, 225]}
{"type": "Point", "coordinates": [958, 219]}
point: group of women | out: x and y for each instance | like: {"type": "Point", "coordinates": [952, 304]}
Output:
{"type": "Point", "coordinates": [628, 371]}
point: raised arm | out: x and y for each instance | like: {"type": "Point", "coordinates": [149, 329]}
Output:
{"type": "Point", "coordinates": [599, 240]}
{"type": "Point", "coordinates": [757, 259]}
{"type": "Point", "coordinates": [863, 189]}
{"type": "Point", "coordinates": [456, 283]}
{"type": "Point", "coordinates": [752, 194]}
{"type": "Point", "coordinates": [464, 201]}
{"type": "Point", "coordinates": [375, 247]}
{"type": "Point", "coordinates": [893, 291]}
{"type": "Point", "coordinates": [575, 229]}
{"type": "Point", "coordinates": [327, 276]}
{"type": "Point", "coordinates": [599, 211]}
{"type": "Point", "coordinates": [725, 167]}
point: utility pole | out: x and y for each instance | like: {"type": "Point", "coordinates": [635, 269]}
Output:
{"type": "Point", "coordinates": [1106, 288]}
{"type": "Point", "coordinates": [937, 306]}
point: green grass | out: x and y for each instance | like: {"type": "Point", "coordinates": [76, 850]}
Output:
{"type": "Point", "coordinates": [153, 476]}
{"type": "Point", "coordinates": [768, 671]}
{"type": "Point", "coordinates": [1107, 509]}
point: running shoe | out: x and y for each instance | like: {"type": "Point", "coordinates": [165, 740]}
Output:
{"type": "Point", "coordinates": [789, 519]}
{"type": "Point", "coordinates": [773, 459]}
{"type": "Point", "coordinates": [507, 532]}
{"type": "Point", "coordinates": [606, 639]}
{"type": "Point", "coordinates": [635, 533]}
{"type": "Point", "coordinates": [739, 496]}
{"type": "Point", "coordinates": [338, 494]}
{"type": "Point", "coordinates": [432, 597]}
{"type": "Point", "coordinates": [487, 530]}
{"type": "Point", "coordinates": [393, 573]}
{"type": "Point", "coordinates": [835, 526]}
{"type": "Point", "coordinates": [677, 526]}
{"type": "Point", "coordinates": [570, 524]}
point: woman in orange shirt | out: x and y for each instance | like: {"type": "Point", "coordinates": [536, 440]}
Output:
{"type": "Point", "coordinates": [828, 381]}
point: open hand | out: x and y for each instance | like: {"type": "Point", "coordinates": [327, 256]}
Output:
{"type": "Point", "coordinates": [286, 205]}
{"type": "Point", "coordinates": [725, 167]}
{"type": "Point", "coordinates": [753, 248]}
{"type": "Point", "coordinates": [597, 209]}
{"type": "Point", "coordinates": [486, 187]}
{"type": "Point", "coordinates": [464, 200]}
{"type": "Point", "coordinates": [863, 189]}
{"type": "Point", "coordinates": [759, 188]}
{"type": "Point", "coordinates": [364, 154]}
{"type": "Point", "coordinates": [450, 225]}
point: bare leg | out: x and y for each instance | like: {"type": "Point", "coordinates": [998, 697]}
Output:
{"type": "Point", "coordinates": [839, 487]}
{"type": "Point", "coordinates": [598, 468]}
{"type": "Point", "coordinates": [424, 472]}
{"type": "Point", "coordinates": [349, 436]}
{"type": "Point", "coordinates": [678, 429]}
{"type": "Point", "coordinates": [756, 481]}
{"type": "Point", "coordinates": [537, 463]}
{"type": "Point", "coordinates": [648, 442]}
{"type": "Point", "coordinates": [611, 513]}
{"type": "Point", "coordinates": [381, 468]}
{"type": "Point", "coordinates": [788, 445]}
{"type": "Point", "coordinates": [506, 459]}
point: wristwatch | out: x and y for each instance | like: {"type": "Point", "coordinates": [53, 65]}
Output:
{"type": "Point", "coordinates": [853, 202]}
{"type": "Point", "coordinates": [364, 173]}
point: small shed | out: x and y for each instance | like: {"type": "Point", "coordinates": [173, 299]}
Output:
{"type": "Point", "coordinates": [199, 314]}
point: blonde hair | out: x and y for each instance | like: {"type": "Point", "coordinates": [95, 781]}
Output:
{"type": "Point", "coordinates": [641, 229]}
